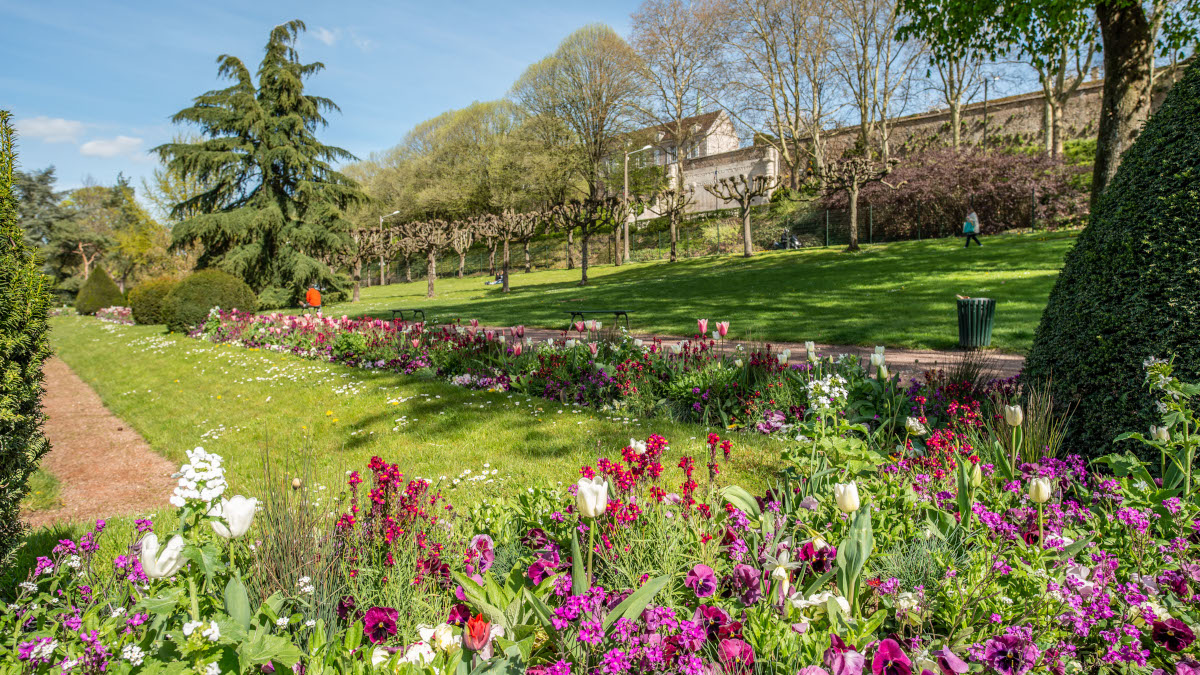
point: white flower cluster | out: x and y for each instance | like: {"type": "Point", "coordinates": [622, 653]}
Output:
{"type": "Point", "coordinates": [212, 632]}
{"type": "Point", "coordinates": [133, 654]}
{"type": "Point", "coordinates": [828, 392]}
{"type": "Point", "coordinates": [43, 651]}
{"type": "Point", "coordinates": [305, 585]}
{"type": "Point", "coordinates": [201, 478]}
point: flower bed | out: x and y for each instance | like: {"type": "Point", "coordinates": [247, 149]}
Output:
{"type": "Point", "coordinates": [943, 544]}
{"type": "Point", "coordinates": [121, 315]}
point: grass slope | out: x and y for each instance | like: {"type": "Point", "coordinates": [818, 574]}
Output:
{"type": "Point", "coordinates": [899, 294]}
{"type": "Point", "coordinates": [181, 393]}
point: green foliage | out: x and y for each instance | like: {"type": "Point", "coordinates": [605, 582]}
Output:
{"type": "Point", "coordinates": [98, 292]}
{"type": "Point", "coordinates": [266, 203]}
{"type": "Point", "coordinates": [24, 347]}
{"type": "Point", "coordinates": [146, 300]}
{"type": "Point", "coordinates": [1127, 291]}
{"type": "Point", "coordinates": [188, 303]}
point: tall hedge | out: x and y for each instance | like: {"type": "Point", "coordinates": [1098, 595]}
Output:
{"type": "Point", "coordinates": [24, 347]}
{"type": "Point", "coordinates": [98, 292]}
{"type": "Point", "coordinates": [1130, 288]}
{"type": "Point", "coordinates": [188, 304]}
{"type": "Point", "coordinates": [146, 301]}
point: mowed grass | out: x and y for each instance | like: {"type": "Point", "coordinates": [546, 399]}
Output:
{"type": "Point", "coordinates": [181, 393]}
{"type": "Point", "coordinates": [43, 492]}
{"type": "Point", "coordinates": [899, 294]}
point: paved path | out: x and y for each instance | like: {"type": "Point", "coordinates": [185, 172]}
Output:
{"type": "Point", "coordinates": [103, 467]}
{"type": "Point", "coordinates": [906, 362]}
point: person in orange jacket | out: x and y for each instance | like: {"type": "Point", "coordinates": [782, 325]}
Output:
{"type": "Point", "coordinates": [313, 298]}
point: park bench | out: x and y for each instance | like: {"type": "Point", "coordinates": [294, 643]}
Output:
{"type": "Point", "coordinates": [401, 312]}
{"type": "Point", "coordinates": [617, 314]}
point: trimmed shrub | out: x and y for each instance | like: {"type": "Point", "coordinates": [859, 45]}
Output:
{"type": "Point", "coordinates": [187, 305]}
{"type": "Point", "coordinates": [24, 347]}
{"type": "Point", "coordinates": [146, 301]}
{"type": "Point", "coordinates": [941, 184]}
{"type": "Point", "coordinates": [1130, 288]}
{"type": "Point", "coordinates": [98, 292]}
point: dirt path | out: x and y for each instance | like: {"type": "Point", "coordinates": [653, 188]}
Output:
{"type": "Point", "coordinates": [906, 362]}
{"type": "Point", "coordinates": [104, 467]}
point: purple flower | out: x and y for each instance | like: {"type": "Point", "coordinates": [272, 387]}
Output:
{"type": "Point", "coordinates": [536, 539]}
{"type": "Point", "coordinates": [458, 615]}
{"type": "Point", "coordinates": [737, 656]}
{"type": "Point", "coordinates": [380, 624]}
{"type": "Point", "coordinates": [347, 609]}
{"type": "Point", "coordinates": [1010, 655]}
{"type": "Point", "coordinates": [702, 581]}
{"type": "Point", "coordinates": [843, 659]}
{"type": "Point", "coordinates": [747, 583]}
{"type": "Point", "coordinates": [812, 670]}
{"type": "Point", "coordinates": [713, 619]}
{"type": "Point", "coordinates": [949, 663]}
{"type": "Point", "coordinates": [483, 546]}
{"type": "Point", "coordinates": [890, 659]}
{"type": "Point", "coordinates": [819, 559]}
{"type": "Point", "coordinates": [1173, 635]}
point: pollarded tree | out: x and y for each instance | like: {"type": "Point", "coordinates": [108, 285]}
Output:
{"type": "Point", "coordinates": [508, 226]}
{"type": "Point", "coordinates": [581, 214]}
{"type": "Point", "coordinates": [530, 226]}
{"type": "Point", "coordinates": [461, 239]}
{"type": "Point", "coordinates": [273, 203]}
{"type": "Point", "coordinates": [429, 237]}
{"type": "Point", "coordinates": [849, 175]}
{"type": "Point", "coordinates": [364, 245]}
{"type": "Point", "coordinates": [672, 202]}
{"type": "Point", "coordinates": [744, 191]}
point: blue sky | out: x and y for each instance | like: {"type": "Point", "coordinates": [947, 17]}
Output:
{"type": "Point", "coordinates": [93, 84]}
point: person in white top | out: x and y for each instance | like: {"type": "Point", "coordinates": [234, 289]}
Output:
{"type": "Point", "coordinates": [971, 228]}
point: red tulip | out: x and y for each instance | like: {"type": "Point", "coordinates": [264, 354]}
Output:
{"type": "Point", "coordinates": [416, 343]}
{"type": "Point", "coordinates": [477, 633]}
{"type": "Point", "coordinates": [516, 349]}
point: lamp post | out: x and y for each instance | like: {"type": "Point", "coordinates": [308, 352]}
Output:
{"type": "Point", "coordinates": [986, 80]}
{"type": "Point", "coordinates": [718, 219]}
{"type": "Point", "coordinates": [382, 267]}
{"type": "Point", "coordinates": [626, 228]}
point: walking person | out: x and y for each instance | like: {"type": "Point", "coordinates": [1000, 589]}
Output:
{"type": "Point", "coordinates": [971, 228]}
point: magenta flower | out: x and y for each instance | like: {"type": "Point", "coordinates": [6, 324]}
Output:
{"type": "Point", "coordinates": [890, 659]}
{"type": "Point", "coordinates": [1010, 655]}
{"type": "Point", "coordinates": [1173, 635]}
{"type": "Point", "coordinates": [722, 328]}
{"type": "Point", "coordinates": [747, 583]}
{"type": "Point", "coordinates": [484, 548]}
{"type": "Point", "coordinates": [812, 670]}
{"type": "Point", "coordinates": [458, 615]}
{"type": "Point", "coordinates": [702, 326]}
{"type": "Point", "coordinates": [380, 624]}
{"type": "Point", "coordinates": [949, 663]}
{"type": "Point", "coordinates": [702, 580]}
{"type": "Point", "coordinates": [737, 656]}
{"type": "Point", "coordinates": [843, 659]}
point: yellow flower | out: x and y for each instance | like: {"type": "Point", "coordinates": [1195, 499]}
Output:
{"type": "Point", "coordinates": [329, 413]}
{"type": "Point", "coordinates": [218, 396]}
{"type": "Point", "coordinates": [335, 419]}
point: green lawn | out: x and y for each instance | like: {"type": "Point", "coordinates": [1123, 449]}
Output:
{"type": "Point", "coordinates": [899, 294]}
{"type": "Point", "coordinates": [181, 393]}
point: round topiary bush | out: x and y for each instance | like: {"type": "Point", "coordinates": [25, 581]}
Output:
{"type": "Point", "coordinates": [1130, 288]}
{"type": "Point", "coordinates": [98, 292]}
{"type": "Point", "coordinates": [146, 301]}
{"type": "Point", "coordinates": [188, 304]}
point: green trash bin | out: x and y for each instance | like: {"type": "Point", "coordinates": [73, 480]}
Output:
{"type": "Point", "coordinates": [975, 319]}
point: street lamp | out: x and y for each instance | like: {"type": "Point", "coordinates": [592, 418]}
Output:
{"type": "Point", "coordinates": [382, 266]}
{"type": "Point", "coordinates": [626, 229]}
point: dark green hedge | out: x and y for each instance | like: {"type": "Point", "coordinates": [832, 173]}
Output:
{"type": "Point", "coordinates": [187, 305]}
{"type": "Point", "coordinates": [98, 292]}
{"type": "Point", "coordinates": [1130, 288]}
{"type": "Point", "coordinates": [146, 301]}
{"type": "Point", "coordinates": [24, 347]}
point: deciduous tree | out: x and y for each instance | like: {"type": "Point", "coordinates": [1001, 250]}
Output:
{"type": "Point", "coordinates": [743, 191]}
{"type": "Point", "coordinates": [849, 175]}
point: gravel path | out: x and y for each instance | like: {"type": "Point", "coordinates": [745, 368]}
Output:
{"type": "Point", "coordinates": [104, 467]}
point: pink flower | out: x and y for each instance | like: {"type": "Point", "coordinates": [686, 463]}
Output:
{"type": "Point", "coordinates": [579, 326]}
{"type": "Point", "coordinates": [593, 347]}
{"type": "Point", "coordinates": [474, 323]}
{"type": "Point", "coordinates": [702, 580]}
{"type": "Point", "coordinates": [890, 659]}
{"type": "Point", "coordinates": [516, 349]}
{"type": "Point", "coordinates": [722, 328]}
{"type": "Point", "coordinates": [702, 324]}
{"type": "Point", "coordinates": [737, 656]}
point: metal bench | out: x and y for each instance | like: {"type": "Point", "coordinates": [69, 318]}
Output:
{"type": "Point", "coordinates": [401, 312]}
{"type": "Point", "coordinates": [617, 314]}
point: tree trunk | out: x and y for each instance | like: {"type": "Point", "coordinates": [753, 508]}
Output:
{"type": "Point", "coordinates": [571, 249]}
{"type": "Point", "coordinates": [853, 216]}
{"type": "Point", "coordinates": [382, 272]}
{"type": "Point", "coordinates": [583, 255]}
{"type": "Point", "coordinates": [492, 260]}
{"type": "Point", "coordinates": [357, 280]}
{"type": "Point", "coordinates": [747, 245]}
{"type": "Point", "coordinates": [674, 236]}
{"type": "Point", "coordinates": [1056, 129]}
{"type": "Point", "coordinates": [955, 125]}
{"type": "Point", "coordinates": [462, 263]}
{"type": "Point", "coordinates": [625, 226]}
{"type": "Point", "coordinates": [432, 274]}
{"type": "Point", "coordinates": [1048, 126]}
{"type": "Point", "coordinates": [408, 270]}
{"type": "Point", "coordinates": [1126, 102]}
{"type": "Point", "coordinates": [616, 245]}
{"type": "Point", "coordinates": [505, 271]}
{"type": "Point", "coordinates": [528, 259]}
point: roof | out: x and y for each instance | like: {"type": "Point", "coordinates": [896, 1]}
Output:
{"type": "Point", "coordinates": [706, 121]}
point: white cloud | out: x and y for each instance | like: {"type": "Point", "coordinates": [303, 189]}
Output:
{"type": "Point", "coordinates": [111, 147]}
{"type": "Point", "coordinates": [50, 129]}
{"type": "Point", "coordinates": [329, 37]}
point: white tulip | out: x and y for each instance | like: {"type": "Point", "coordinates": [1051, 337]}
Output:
{"type": "Point", "coordinates": [441, 637]}
{"type": "Point", "coordinates": [884, 373]}
{"type": "Point", "coordinates": [738, 363]}
{"type": "Point", "coordinates": [716, 335]}
{"type": "Point", "coordinates": [914, 426]}
{"type": "Point", "coordinates": [638, 447]}
{"type": "Point", "coordinates": [237, 514]}
{"type": "Point", "coordinates": [879, 349]}
{"type": "Point", "coordinates": [637, 342]}
{"type": "Point", "coordinates": [420, 654]}
{"type": "Point", "coordinates": [591, 498]}
{"type": "Point", "coordinates": [876, 361]}
{"type": "Point", "coordinates": [156, 565]}
{"type": "Point", "coordinates": [380, 656]}
{"type": "Point", "coordinates": [846, 496]}
{"type": "Point", "coordinates": [783, 359]}
{"type": "Point", "coordinates": [1160, 433]}
{"type": "Point", "coordinates": [570, 344]}
{"type": "Point", "coordinates": [1039, 490]}
{"type": "Point", "coordinates": [811, 348]}
{"type": "Point", "coordinates": [1014, 415]}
